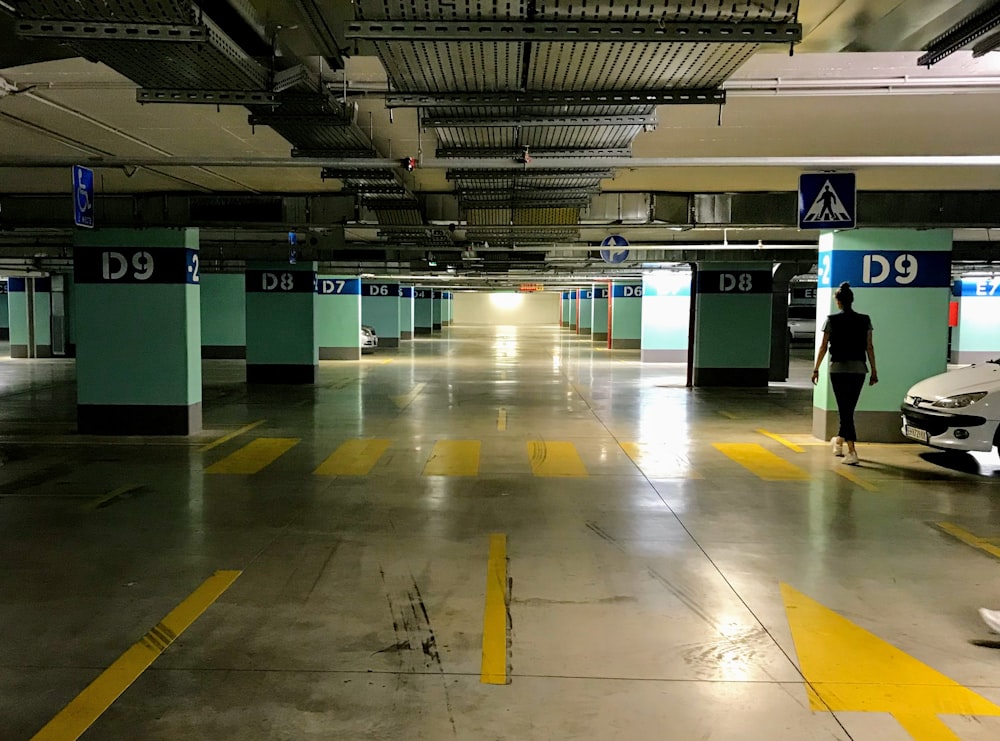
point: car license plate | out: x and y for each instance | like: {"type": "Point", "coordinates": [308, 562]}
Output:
{"type": "Point", "coordinates": [915, 433]}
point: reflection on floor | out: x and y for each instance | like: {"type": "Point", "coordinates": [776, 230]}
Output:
{"type": "Point", "coordinates": [492, 533]}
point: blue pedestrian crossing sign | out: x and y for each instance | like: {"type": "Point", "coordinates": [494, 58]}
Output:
{"type": "Point", "coordinates": [614, 249]}
{"type": "Point", "coordinates": [827, 200]}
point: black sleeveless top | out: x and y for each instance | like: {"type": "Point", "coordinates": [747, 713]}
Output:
{"type": "Point", "coordinates": [848, 336]}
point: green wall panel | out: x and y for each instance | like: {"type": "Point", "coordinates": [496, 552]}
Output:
{"type": "Point", "coordinates": [18, 308]}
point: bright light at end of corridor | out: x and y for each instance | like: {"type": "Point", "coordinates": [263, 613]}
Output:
{"type": "Point", "coordinates": [506, 301]}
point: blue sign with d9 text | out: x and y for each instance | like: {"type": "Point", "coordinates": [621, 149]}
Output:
{"type": "Point", "coordinates": [884, 269]}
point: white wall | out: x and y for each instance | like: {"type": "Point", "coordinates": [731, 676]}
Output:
{"type": "Point", "coordinates": [494, 309]}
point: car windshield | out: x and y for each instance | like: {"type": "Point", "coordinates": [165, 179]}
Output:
{"type": "Point", "coordinates": [801, 312]}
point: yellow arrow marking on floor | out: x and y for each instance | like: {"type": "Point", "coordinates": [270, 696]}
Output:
{"type": "Point", "coordinates": [254, 456]}
{"type": "Point", "coordinates": [353, 458]}
{"type": "Point", "coordinates": [404, 401]}
{"type": "Point", "coordinates": [454, 458]}
{"type": "Point", "coordinates": [765, 464]}
{"type": "Point", "coordinates": [854, 478]}
{"type": "Point", "coordinates": [849, 669]}
{"type": "Point", "coordinates": [555, 459]}
{"type": "Point", "coordinates": [656, 463]}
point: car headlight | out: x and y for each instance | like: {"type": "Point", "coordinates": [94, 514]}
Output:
{"type": "Point", "coordinates": [959, 401]}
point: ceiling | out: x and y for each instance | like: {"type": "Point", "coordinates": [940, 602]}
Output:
{"type": "Point", "coordinates": [535, 131]}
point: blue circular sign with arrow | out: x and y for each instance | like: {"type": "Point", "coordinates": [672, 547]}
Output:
{"type": "Point", "coordinates": [614, 251]}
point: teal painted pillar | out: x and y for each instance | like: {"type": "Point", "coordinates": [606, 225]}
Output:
{"type": "Point", "coordinates": [223, 315]}
{"type": "Point", "coordinates": [732, 332]}
{"type": "Point", "coordinates": [380, 309]}
{"type": "Point", "coordinates": [138, 331]}
{"type": "Point", "coordinates": [60, 303]}
{"type": "Point", "coordinates": [599, 314]}
{"type": "Point", "coordinates": [901, 278]}
{"type": "Point", "coordinates": [565, 307]}
{"type": "Point", "coordinates": [423, 311]}
{"type": "Point", "coordinates": [586, 311]}
{"type": "Point", "coordinates": [447, 306]}
{"type": "Point", "coordinates": [30, 314]}
{"type": "Point", "coordinates": [573, 306]}
{"type": "Point", "coordinates": [626, 315]}
{"type": "Point", "coordinates": [338, 318]}
{"type": "Point", "coordinates": [436, 309]}
{"type": "Point", "coordinates": [976, 339]}
{"type": "Point", "coordinates": [281, 322]}
{"type": "Point", "coordinates": [406, 312]}
{"type": "Point", "coordinates": [4, 312]}
{"type": "Point", "coordinates": [666, 317]}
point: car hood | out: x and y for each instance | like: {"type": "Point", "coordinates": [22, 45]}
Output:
{"type": "Point", "coordinates": [979, 377]}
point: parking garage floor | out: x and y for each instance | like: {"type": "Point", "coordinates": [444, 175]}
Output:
{"type": "Point", "coordinates": [492, 534]}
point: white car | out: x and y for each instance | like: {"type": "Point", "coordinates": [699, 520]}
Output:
{"type": "Point", "coordinates": [802, 322]}
{"type": "Point", "coordinates": [957, 410]}
{"type": "Point", "coordinates": [369, 340]}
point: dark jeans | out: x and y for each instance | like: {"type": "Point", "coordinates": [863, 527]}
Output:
{"type": "Point", "coordinates": [847, 388]}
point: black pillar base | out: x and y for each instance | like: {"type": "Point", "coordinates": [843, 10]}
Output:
{"type": "Point", "coordinates": [282, 373]}
{"type": "Point", "coordinates": [19, 351]}
{"type": "Point", "coordinates": [138, 419]}
{"type": "Point", "coordinates": [4, 333]}
{"type": "Point", "coordinates": [388, 342]}
{"type": "Point", "coordinates": [422, 330]}
{"type": "Point", "coordinates": [733, 377]}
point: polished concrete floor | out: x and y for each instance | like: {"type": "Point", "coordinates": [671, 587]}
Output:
{"type": "Point", "coordinates": [676, 564]}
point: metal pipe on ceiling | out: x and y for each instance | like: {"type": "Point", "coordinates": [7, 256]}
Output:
{"type": "Point", "coordinates": [553, 163]}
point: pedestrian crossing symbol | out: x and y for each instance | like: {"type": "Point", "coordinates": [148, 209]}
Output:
{"type": "Point", "coordinates": [827, 200]}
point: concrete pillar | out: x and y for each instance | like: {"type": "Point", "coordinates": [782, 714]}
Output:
{"type": "Point", "coordinates": [423, 311]}
{"type": "Point", "coordinates": [380, 309]}
{"type": "Point", "coordinates": [223, 315]}
{"type": "Point", "coordinates": [338, 318]}
{"type": "Point", "coordinates": [599, 313]}
{"type": "Point", "coordinates": [30, 311]}
{"type": "Point", "coordinates": [406, 312]}
{"type": "Point", "coordinates": [902, 279]}
{"type": "Point", "coordinates": [281, 323]}
{"type": "Point", "coordinates": [585, 301]}
{"type": "Point", "coordinates": [564, 306]}
{"type": "Point", "coordinates": [976, 338]}
{"type": "Point", "coordinates": [436, 301]}
{"type": "Point", "coordinates": [626, 315]}
{"type": "Point", "coordinates": [4, 312]}
{"type": "Point", "coordinates": [574, 306]}
{"type": "Point", "coordinates": [138, 333]}
{"type": "Point", "coordinates": [447, 308]}
{"type": "Point", "coordinates": [666, 317]}
{"type": "Point", "coordinates": [732, 333]}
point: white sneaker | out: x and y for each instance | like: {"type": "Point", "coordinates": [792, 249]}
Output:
{"type": "Point", "coordinates": [851, 459]}
{"type": "Point", "coordinates": [991, 618]}
{"type": "Point", "coordinates": [837, 444]}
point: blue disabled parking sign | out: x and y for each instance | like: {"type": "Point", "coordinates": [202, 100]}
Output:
{"type": "Point", "coordinates": [83, 196]}
{"type": "Point", "coordinates": [827, 200]}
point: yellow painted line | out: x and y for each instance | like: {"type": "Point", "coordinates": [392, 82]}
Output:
{"type": "Point", "coordinates": [73, 720]}
{"type": "Point", "coordinates": [970, 539]}
{"type": "Point", "coordinates": [502, 420]}
{"type": "Point", "coordinates": [353, 458]}
{"type": "Point", "coordinates": [778, 438]}
{"type": "Point", "coordinates": [729, 415]}
{"type": "Point", "coordinates": [555, 459]}
{"type": "Point", "coordinates": [254, 456]}
{"type": "Point", "coordinates": [226, 438]}
{"type": "Point", "coordinates": [404, 401]}
{"type": "Point", "coordinates": [454, 458]}
{"type": "Point", "coordinates": [762, 462]}
{"type": "Point", "coordinates": [494, 666]}
{"type": "Point", "coordinates": [656, 463]}
{"type": "Point", "coordinates": [854, 478]}
{"type": "Point", "coordinates": [114, 494]}
{"type": "Point", "coordinates": [849, 669]}
{"type": "Point", "coordinates": [386, 362]}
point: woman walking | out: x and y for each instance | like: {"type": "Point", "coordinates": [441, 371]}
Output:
{"type": "Point", "coordinates": [848, 337]}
